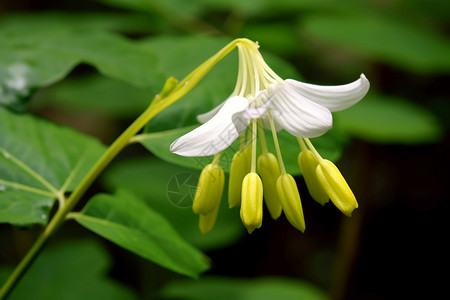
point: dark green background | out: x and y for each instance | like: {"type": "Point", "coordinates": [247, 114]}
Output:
{"type": "Point", "coordinates": [395, 142]}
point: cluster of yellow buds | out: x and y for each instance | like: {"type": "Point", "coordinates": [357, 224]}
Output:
{"type": "Point", "coordinates": [278, 188]}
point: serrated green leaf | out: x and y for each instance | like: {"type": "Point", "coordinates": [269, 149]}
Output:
{"type": "Point", "coordinates": [170, 189]}
{"type": "Point", "coordinates": [71, 270]}
{"type": "Point", "coordinates": [383, 119]}
{"type": "Point", "coordinates": [224, 288]}
{"type": "Point", "coordinates": [126, 220]}
{"type": "Point", "coordinates": [39, 162]}
{"type": "Point", "coordinates": [404, 44]}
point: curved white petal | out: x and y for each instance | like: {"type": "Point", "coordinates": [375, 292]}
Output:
{"type": "Point", "coordinates": [216, 134]}
{"type": "Point", "coordinates": [336, 97]}
{"type": "Point", "coordinates": [203, 118]}
{"type": "Point", "coordinates": [255, 111]}
{"type": "Point", "coordinates": [298, 115]}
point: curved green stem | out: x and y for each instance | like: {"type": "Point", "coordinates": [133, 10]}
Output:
{"type": "Point", "coordinates": [171, 93]}
{"type": "Point", "coordinates": [311, 147]}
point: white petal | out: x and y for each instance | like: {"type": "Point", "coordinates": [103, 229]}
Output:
{"type": "Point", "coordinates": [257, 107]}
{"type": "Point", "coordinates": [251, 113]}
{"type": "Point", "coordinates": [298, 115]}
{"type": "Point", "coordinates": [216, 134]}
{"type": "Point", "coordinates": [203, 118]}
{"type": "Point", "coordinates": [336, 97]}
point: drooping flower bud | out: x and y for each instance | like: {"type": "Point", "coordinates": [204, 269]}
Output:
{"type": "Point", "coordinates": [252, 198]}
{"type": "Point", "coordinates": [308, 163]}
{"type": "Point", "coordinates": [206, 221]}
{"type": "Point", "coordinates": [269, 170]}
{"type": "Point", "coordinates": [290, 201]}
{"type": "Point", "coordinates": [336, 187]}
{"type": "Point", "coordinates": [240, 166]}
{"type": "Point", "coordinates": [209, 189]}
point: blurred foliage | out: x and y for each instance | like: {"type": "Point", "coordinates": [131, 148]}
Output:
{"type": "Point", "coordinates": [75, 269]}
{"type": "Point", "coordinates": [110, 57]}
{"type": "Point", "coordinates": [241, 288]}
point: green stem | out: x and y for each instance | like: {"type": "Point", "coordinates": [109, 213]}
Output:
{"type": "Point", "coordinates": [311, 147]}
{"type": "Point", "coordinates": [254, 137]}
{"type": "Point", "coordinates": [262, 137]}
{"type": "Point", "coordinates": [23, 266]}
{"type": "Point", "coordinates": [277, 145]}
{"type": "Point", "coordinates": [157, 106]}
{"type": "Point", "coordinates": [302, 144]}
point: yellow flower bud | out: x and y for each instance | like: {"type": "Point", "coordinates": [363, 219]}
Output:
{"type": "Point", "coordinates": [269, 171]}
{"type": "Point", "coordinates": [251, 206]}
{"type": "Point", "coordinates": [240, 166]}
{"type": "Point", "coordinates": [308, 163]}
{"type": "Point", "coordinates": [209, 189]}
{"type": "Point", "coordinates": [207, 221]}
{"type": "Point", "coordinates": [336, 187]}
{"type": "Point", "coordinates": [290, 201]}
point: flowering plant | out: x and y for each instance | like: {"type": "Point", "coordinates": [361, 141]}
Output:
{"type": "Point", "coordinates": [260, 99]}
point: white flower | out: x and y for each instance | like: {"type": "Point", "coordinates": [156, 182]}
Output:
{"type": "Point", "coordinates": [302, 109]}
{"type": "Point", "coordinates": [260, 98]}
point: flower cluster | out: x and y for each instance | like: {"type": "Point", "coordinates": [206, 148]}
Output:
{"type": "Point", "coordinates": [262, 99]}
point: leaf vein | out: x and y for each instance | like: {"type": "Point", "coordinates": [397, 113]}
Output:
{"type": "Point", "coordinates": [30, 171]}
{"type": "Point", "coordinates": [23, 187]}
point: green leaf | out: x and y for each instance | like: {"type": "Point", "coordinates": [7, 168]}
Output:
{"type": "Point", "coordinates": [126, 220]}
{"type": "Point", "coordinates": [239, 288]}
{"type": "Point", "coordinates": [113, 56]}
{"type": "Point", "coordinates": [26, 66]}
{"type": "Point", "coordinates": [169, 189]}
{"type": "Point", "coordinates": [401, 43]}
{"type": "Point", "coordinates": [70, 20]}
{"type": "Point", "coordinates": [39, 162]}
{"type": "Point", "coordinates": [71, 270]}
{"type": "Point", "coordinates": [31, 60]}
{"type": "Point", "coordinates": [382, 119]}
{"type": "Point", "coordinates": [167, 8]}
{"type": "Point", "coordinates": [99, 94]}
